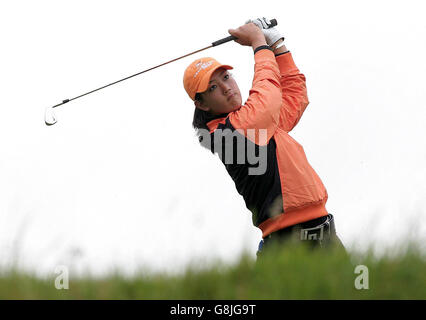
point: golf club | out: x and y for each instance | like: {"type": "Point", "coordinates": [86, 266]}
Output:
{"type": "Point", "coordinates": [50, 118]}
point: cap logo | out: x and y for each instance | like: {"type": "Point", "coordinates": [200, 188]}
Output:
{"type": "Point", "coordinates": [201, 66]}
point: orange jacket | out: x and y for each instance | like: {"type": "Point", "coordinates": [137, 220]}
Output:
{"type": "Point", "coordinates": [290, 191]}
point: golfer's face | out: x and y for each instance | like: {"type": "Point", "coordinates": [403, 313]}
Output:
{"type": "Point", "coordinates": [223, 94]}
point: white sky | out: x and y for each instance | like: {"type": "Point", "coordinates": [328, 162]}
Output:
{"type": "Point", "coordinates": [121, 182]}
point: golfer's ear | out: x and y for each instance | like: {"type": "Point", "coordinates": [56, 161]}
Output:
{"type": "Point", "coordinates": [200, 105]}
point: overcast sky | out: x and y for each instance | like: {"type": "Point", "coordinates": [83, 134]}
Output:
{"type": "Point", "coordinates": [120, 180]}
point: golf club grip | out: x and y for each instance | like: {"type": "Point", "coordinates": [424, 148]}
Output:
{"type": "Point", "coordinates": [224, 40]}
{"type": "Point", "coordinates": [230, 38]}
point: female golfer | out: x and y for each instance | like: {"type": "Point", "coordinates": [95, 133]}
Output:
{"type": "Point", "coordinates": [270, 169]}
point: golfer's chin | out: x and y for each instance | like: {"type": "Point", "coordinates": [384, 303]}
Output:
{"type": "Point", "coordinates": [231, 106]}
{"type": "Point", "coordinates": [235, 103]}
{"type": "Point", "coordinates": [238, 106]}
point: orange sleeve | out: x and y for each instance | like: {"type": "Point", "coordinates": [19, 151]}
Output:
{"type": "Point", "coordinates": [294, 93]}
{"type": "Point", "coordinates": [262, 108]}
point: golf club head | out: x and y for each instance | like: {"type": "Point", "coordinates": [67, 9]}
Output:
{"type": "Point", "coordinates": [49, 117]}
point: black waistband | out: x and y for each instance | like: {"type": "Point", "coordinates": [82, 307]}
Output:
{"type": "Point", "coordinates": [304, 225]}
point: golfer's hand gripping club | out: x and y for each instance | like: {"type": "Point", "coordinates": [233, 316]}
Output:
{"type": "Point", "coordinates": [273, 23]}
{"type": "Point", "coordinates": [50, 118]}
{"type": "Point", "coordinates": [272, 35]}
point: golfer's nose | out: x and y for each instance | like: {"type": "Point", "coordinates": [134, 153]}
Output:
{"type": "Point", "coordinates": [225, 87]}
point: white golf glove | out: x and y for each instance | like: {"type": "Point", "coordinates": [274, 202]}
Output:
{"type": "Point", "coordinates": [272, 35]}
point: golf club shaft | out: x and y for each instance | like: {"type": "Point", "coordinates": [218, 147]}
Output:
{"type": "Point", "coordinates": [214, 44]}
{"type": "Point", "coordinates": [133, 75]}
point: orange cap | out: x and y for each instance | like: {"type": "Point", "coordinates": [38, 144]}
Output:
{"type": "Point", "coordinates": [197, 75]}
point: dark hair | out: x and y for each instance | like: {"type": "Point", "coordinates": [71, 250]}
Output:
{"type": "Point", "coordinates": [201, 118]}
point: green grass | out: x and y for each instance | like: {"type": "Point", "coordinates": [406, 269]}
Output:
{"type": "Point", "coordinates": [283, 273]}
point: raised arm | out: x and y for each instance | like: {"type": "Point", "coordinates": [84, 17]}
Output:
{"type": "Point", "coordinates": [293, 86]}
{"type": "Point", "coordinates": [262, 109]}
{"type": "Point", "coordinates": [293, 83]}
